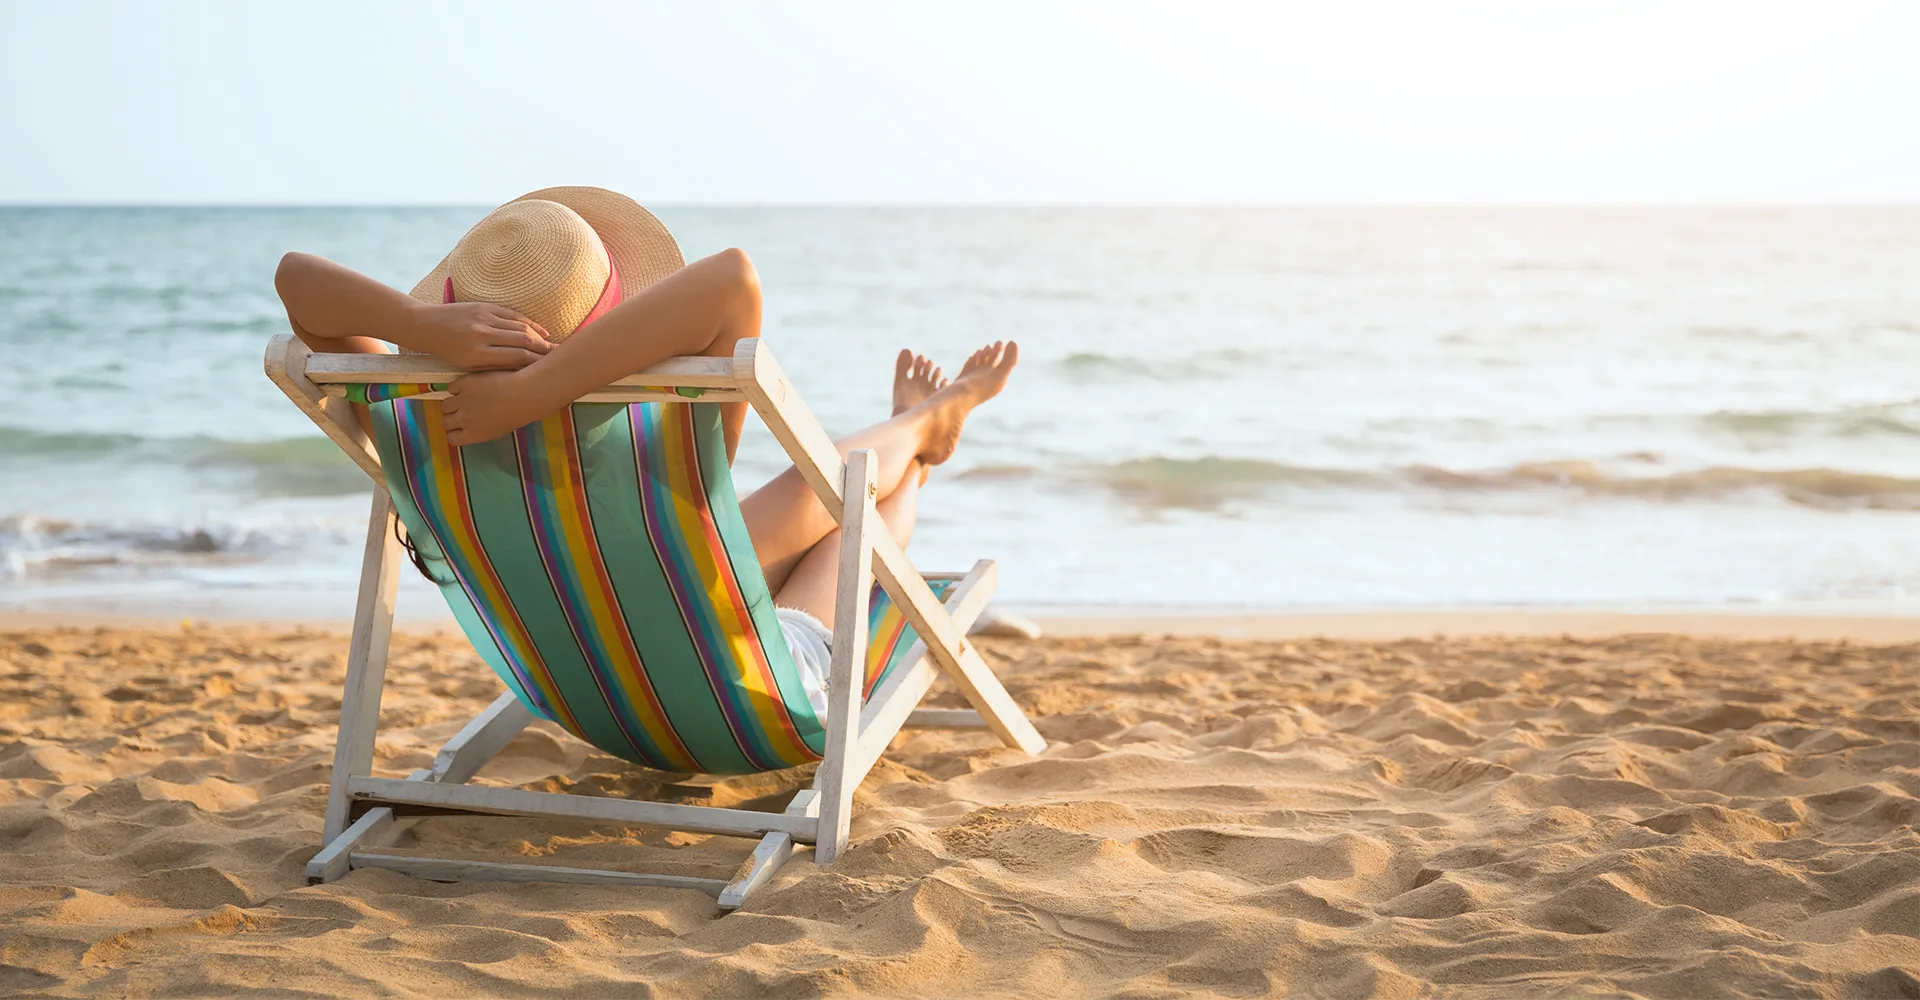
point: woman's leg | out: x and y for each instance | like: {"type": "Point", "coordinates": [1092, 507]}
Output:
{"type": "Point", "coordinates": [811, 586]}
{"type": "Point", "coordinates": [785, 519]}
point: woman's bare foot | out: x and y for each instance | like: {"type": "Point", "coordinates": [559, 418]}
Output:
{"type": "Point", "coordinates": [914, 379]}
{"type": "Point", "coordinates": [980, 379]}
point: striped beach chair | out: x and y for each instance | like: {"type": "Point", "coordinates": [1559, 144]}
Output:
{"type": "Point", "coordinates": [598, 562]}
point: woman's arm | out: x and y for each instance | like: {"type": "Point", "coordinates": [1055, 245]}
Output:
{"type": "Point", "coordinates": [337, 309]}
{"type": "Point", "coordinates": [702, 309]}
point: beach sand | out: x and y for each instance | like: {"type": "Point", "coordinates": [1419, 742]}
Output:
{"type": "Point", "coordinates": [1645, 814]}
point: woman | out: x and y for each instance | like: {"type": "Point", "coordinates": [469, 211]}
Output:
{"type": "Point", "coordinates": [564, 290]}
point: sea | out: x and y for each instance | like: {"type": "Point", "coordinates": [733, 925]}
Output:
{"type": "Point", "coordinates": [1288, 408]}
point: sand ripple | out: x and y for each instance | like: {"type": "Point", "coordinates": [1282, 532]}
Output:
{"type": "Point", "coordinates": [1647, 815]}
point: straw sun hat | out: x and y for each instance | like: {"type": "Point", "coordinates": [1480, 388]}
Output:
{"type": "Point", "coordinates": [558, 256]}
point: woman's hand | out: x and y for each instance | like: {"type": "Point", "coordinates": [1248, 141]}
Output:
{"type": "Point", "coordinates": [478, 335]}
{"type": "Point", "coordinates": [485, 405]}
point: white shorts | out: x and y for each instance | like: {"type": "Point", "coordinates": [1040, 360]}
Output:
{"type": "Point", "coordinates": [812, 646]}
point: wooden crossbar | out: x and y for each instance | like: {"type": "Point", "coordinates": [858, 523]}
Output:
{"type": "Point", "coordinates": [945, 718]}
{"type": "Point", "coordinates": [611, 394]}
{"type": "Point", "coordinates": [448, 870]}
{"type": "Point", "coordinates": [339, 369]}
{"type": "Point", "coordinates": [519, 802]}
{"type": "Point", "coordinates": [478, 741]}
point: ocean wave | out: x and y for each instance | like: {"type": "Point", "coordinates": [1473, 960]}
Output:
{"type": "Point", "coordinates": [21, 441]}
{"type": "Point", "coordinates": [1000, 472]}
{"type": "Point", "coordinates": [1089, 364]}
{"type": "Point", "coordinates": [309, 465]}
{"type": "Point", "coordinates": [1817, 487]}
{"type": "Point", "coordinates": [38, 545]}
{"type": "Point", "coordinates": [1890, 419]}
{"type": "Point", "coordinates": [1212, 481]}
{"type": "Point", "coordinates": [1895, 421]}
{"type": "Point", "coordinates": [1204, 365]}
{"type": "Point", "coordinates": [1749, 334]}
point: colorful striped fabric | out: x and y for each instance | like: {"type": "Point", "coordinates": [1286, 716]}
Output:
{"type": "Point", "coordinates": [367, 392]}
{"type": "Point", "coordinates": [889, 638]}
{"type": "Point", "coordinates": [599, 564]}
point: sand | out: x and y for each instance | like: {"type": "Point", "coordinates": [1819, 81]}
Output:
{"type": "Point", "coordinates": [1652, 815]}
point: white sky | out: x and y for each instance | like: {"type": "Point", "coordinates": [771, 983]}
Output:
{"type": "Point", "coordinates": [333, 101]}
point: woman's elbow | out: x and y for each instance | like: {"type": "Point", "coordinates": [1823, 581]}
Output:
{"type": "Point", "coordinates": [740, 270]}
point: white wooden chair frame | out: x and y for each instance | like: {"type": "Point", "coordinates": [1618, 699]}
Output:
{"type": "Point", "coordinates": [365, 813]}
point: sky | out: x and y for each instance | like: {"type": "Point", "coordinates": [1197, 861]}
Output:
{"type": "Point", "coordinates": [1367, 101]}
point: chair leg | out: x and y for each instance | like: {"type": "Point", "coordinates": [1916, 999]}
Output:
{"type": "Point", "coordinates": [366, 661]}
{"type": "Point", "coordinates": [376, 827]}
{"type": "Point", "coordinates": [478, 742]}
{"type": "Point", "coordinates": [854, 586]}
{"type": "Point", "coordinates": [950, 648]}
{"type": "Point", "coordinates": [773, 851]}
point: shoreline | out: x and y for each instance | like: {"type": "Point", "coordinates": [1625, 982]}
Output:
{"type": "Point", "coordinates": [1877, 626]}
{"type": "Point", "coordinates": [1874, 626]}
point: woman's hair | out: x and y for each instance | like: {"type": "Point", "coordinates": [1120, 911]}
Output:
{"type": "Point", "coordinates": [414, 555]}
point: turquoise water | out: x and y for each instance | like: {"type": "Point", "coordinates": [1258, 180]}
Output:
{"type": "Point", "coordinates": [1276, 407]}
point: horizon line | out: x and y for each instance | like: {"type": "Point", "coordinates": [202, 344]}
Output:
{"type": "Point", "coordinates": [1034, 204]}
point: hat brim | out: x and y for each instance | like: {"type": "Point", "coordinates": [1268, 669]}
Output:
{"type": "Point", "coordinates": [641, 248]}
